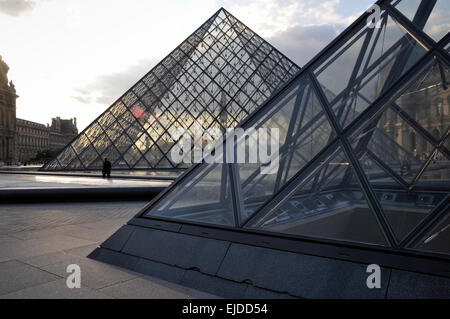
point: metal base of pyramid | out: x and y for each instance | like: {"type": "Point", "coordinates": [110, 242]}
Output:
{"type": "Point", "coordinates": [234, 264]}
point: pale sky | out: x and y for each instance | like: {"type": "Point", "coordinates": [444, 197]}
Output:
{"type": "Point", "coordinates": [74, 58]}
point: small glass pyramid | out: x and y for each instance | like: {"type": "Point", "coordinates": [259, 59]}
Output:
{"type": "Point", "coordinates": [363, 157]}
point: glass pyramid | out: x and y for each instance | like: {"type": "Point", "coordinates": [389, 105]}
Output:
{"type": "Point", "coordinates": [363, 158]}
{"type": "Point", "coordinates": [215, 78]}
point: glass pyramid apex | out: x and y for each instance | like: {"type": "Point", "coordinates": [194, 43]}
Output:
{"type": "Point", "coordinates": [216, 77]}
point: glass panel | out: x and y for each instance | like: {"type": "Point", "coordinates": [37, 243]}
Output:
{"type": "Point", "coordinates": [204, 198]}
{"type": "Point", "coordinates": [132, 156]}
{"type": "Point", "coordinates": [431, 16]}
{"type": "Point", "coordinates": [123, 143]}
{"type": "Point", "coordinates": [438, 239]}
{"type": "Point", "coordinates": [93, 131]}
{"type": "Point", "coordinates": [75, 165]}
{"type": "Point", "coordinates": [101, 143]}
{"type": "Point", "coordinates": [388, 154]}
{"type": "Point", "coordinates": [80, 143]}
{"type": "Point", "coordinates": [88, 155]}
{"type": "Point", "coordinates": [324, 205]}
{"type": "Point", "coordinates": [365, 66]}
{"type": "Point", "coordinates": [427, 100]}
{"type": "Point", "coordinates": [303, 132]}
{"type": "Point", "coordinates": [395, 143]}
{"type": "Point", "coordinates": [53, 165]}
{"type": "Point", "coordinates": [66, 156]}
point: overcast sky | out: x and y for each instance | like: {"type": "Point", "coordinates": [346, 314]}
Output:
{"type": "Point", "coordinates": [73, 58]}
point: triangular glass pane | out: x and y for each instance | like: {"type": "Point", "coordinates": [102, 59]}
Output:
{"type": "Point", "coordinates": [404, 209]}
{"type": "Point", "coordinates": [366, 66]}
{"type": "Point", "coordinates": [389, 167]}
{"type": "Point", "coordinates": [438, 239]}
{"type": "Point", "coordinates": [205, 198]}
{"type": "Point", "coordinates": [395, 143]}
{"type": "Point", "coordinates": [54, 165]}
{"type": "Point", "coordinates": [132, 156]}
{"type": "Point", "coordinates": [429, 16]}
{"type": "Point", "coordinates": [324, 206]}
{"type": "Point", "coordinates": [66, 156]}
{"type": "Point", "coordinates": [426, 99]}
{"type": "Point", "coordinates": [376, 175]}
{"type": "Point", "coordinates": [75, 165]}
{"type": "Point", "coordinates": [304, 131]}
{"type": "Point", "coordinates": [88, 156]}
{"type": "Point", "coordinates": [142, 164]}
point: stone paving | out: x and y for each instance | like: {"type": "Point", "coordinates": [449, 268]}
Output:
{"type": "Point", "coordinates": [39, 241]}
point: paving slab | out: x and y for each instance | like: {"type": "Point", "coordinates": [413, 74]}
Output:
{"type": "Point", "coordinates": [82, 251]}
{"type": "Point", "coordinates": [94, 274]}
{"type": "Point", "coordinates": [15, 276]}
{"type": "Point", "coordinates": [40, 246]}
{"type": "Point", "coordinates": [56, 290]}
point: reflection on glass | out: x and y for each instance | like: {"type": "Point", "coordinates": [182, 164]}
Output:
{"type": "Point", "coordinates": [430, 16]}
{"type": "Point", "coordinates": [304, 132]}
{"type": "Point", "coordinates": [327, 204]}
{"type": "Point", "coordinates": [365, 66]}
{"type": "Point", "coordinates": [437, 172]}
{"type": "Point", "coordinates": [205, 198]}
{"type": "Point", "coordinates": [392, 152]}
{"type": "Point", "coordinates": [394, 143]}
{"type": "Point", "coordinates": [427, 101]}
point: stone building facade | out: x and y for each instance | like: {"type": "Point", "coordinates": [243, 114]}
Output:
{"type": "Point", "coordinates": [428, 103]}
{"type": "Point", "coordinates": [21, 140]}
{"type": "Point", "coordinates": [7, 115]}
{"type": "Point", "coordinates": [31, 138]}
{"type": "Point", "coordinates": [62, 132]}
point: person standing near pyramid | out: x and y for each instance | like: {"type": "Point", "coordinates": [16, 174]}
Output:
{"type": "Point", "coordinates": [106, 168]}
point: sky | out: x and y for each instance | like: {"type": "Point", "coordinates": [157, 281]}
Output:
{"type": "Point", "coordinates": [74, 58]}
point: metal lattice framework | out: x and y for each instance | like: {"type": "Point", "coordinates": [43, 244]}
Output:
{"type": "Point", "coordinates": [364, 145]}
{"type": "Point", "coordinates": [216, 77]}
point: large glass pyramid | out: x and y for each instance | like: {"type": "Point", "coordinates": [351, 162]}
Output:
{"type": "Point", "coordinates": [364, 136]}
{"type": "Point", "coordinates": [214, 79]}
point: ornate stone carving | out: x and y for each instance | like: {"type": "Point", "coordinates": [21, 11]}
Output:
{"type": "Point", "coordinates": [4, 68]}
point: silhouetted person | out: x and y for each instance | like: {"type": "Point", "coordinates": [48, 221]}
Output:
{"type": "Point", "coordinates": [106, 168]}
